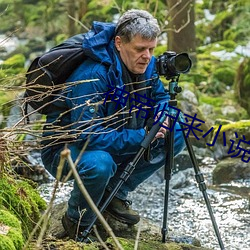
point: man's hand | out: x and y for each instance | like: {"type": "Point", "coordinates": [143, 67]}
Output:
{"type": "Point", "coordinates": [162, 131]}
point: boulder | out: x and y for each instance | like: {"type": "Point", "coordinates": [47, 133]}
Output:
{"type": "Point", "coordinates": [230, 169]}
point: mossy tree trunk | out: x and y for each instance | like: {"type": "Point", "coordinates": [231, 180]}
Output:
{"type": "Point", "coordinates": [242, 84]}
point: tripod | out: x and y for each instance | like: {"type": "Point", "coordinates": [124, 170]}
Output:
{"type": "Point", "coordinates": [173, 90]}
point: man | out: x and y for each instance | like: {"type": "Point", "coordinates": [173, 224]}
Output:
{"type": "Point", "coordinates": [120, 66]}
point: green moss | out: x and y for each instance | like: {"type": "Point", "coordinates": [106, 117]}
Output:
{"type": "Point", "coordinates": [239, 125]}
{"type": "Point", "coordinates": [6, 243]}
{"type": "Point", "coordinates": [228, 45]}
{"type": "Point", "coordinates": [214, 101]}
{"type": "Point", "coordinates": [22, 200]}
{"type": "Point", "coordinates": [9, 219]}
{"type": "Point", "coordinates": [13, 71]}
{"type": "Point", "coordinates": [13, 239]}
{"type": "Point", "coordinates": [225, 75]}
{"type": "Point", "coordinates": [128, 244]}
{"type": "Point", "coordinates": [16, 237]}
{"type": "Point", "coordinates": [16, 61]}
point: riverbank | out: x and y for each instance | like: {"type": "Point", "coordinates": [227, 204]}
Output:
{"type": "Point", "coordinates": [188, 215]}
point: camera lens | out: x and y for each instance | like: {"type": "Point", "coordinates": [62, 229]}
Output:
{"type": "Point", "coordinates": [182, 63]}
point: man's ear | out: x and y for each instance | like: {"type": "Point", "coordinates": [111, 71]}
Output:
{"type": "Point", "coordinates": [118, 42]}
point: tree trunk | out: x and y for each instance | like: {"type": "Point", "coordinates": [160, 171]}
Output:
{"type": "Point", "coordinates": [83, 7]}
{"type": "Point", "coordinates": [181, 27]}
{"type": "Point", "coordinates": [71, 6]}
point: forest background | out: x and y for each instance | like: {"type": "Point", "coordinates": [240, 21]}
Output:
{"type": "Point", "coordinates": [215, 34]}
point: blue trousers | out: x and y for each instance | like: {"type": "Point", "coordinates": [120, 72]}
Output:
{"type": "Point", "coordinates": [100, 170]}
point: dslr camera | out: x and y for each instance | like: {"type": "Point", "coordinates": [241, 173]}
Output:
{"type": "Point", "coordinates": [171, 65]}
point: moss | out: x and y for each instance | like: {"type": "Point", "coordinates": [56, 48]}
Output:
{"type": "Point", "coordinates": [13, 70]}
{"type": "Point", "coordinates": [22, 200]}
{"type": "Point", "coordinates": [128, 244]}
{"type": "Point", "coordinates": [16, 237]}
{"type": "Point", "coordinates": [214, 101]}
{"type": "Point", "coordinates": [239, 125]}
{"type": "Point", "coordinates": [16, 61]}
{"type": "Point", "coordinates": [228, 45]}
{"type": "Point", "coordinates": [225, 75]}
{"type": "Point", "coordinates": [13, 239]}
{"type": "Point", "coordinates": [6, 243]}
{"type": "Point", "coordinates": [9, 219]}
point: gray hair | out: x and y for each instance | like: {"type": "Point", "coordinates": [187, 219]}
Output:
{"type": "Point", "coordinates": [137, 22]}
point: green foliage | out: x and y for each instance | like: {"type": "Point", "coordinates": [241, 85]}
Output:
{"type": "Point", "coordinates": [160, 50]}
{"type": "Point", "coordinates": [229, 23]}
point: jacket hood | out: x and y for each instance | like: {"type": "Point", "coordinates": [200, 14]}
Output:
{"type": "Point", "coordinates": [98, 42]}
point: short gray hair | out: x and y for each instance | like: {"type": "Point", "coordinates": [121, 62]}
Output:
{"type": "Point", "coordinates": [137, 22]}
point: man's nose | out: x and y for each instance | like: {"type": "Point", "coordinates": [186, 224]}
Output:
{"type": "Point", "coordinates": [146, 54]}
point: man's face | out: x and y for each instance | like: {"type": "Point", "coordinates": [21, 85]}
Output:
{"type": "Point", "coordinates": [137, 53]}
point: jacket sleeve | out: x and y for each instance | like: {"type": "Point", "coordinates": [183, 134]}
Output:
{"type": "Point", "coordinates": [88, 115]}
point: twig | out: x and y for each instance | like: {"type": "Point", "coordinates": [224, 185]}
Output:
{"type": "Point", "coordinates": [137, 236]}
{"type": "Point", "coordinates": [99, 238]}
{"type": "Point", "coordinates": [77, 21]}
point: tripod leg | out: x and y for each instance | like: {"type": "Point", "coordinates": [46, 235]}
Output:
{"type": "Point", "coordinates": [202, 186]}
{"type": "Point", "coordinates": [169, 145]}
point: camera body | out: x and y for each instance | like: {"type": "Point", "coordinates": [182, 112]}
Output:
{"type": "Point", "coordinates": [171, 65]}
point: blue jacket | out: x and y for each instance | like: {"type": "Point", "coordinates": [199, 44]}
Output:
{"type": "Point", "coordinates": [90, 117]}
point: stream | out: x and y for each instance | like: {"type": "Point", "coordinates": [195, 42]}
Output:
{"type": "Point", "coordinates": [187, 212]}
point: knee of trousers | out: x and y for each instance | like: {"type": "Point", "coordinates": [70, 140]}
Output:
{"type": "Point", "coordinates": [98, 165]}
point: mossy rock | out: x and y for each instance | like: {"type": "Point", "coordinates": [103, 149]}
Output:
{"type": "Point", "coordinates": [128, 244]}
{"type": "Point", "coordinates": [220, 103]}
{"type": "Point", "coordinates": [21, 199]}
{"type": "Point", "coordinates": [230, 169]}
{"type": "Point", "coordinates": [11, 237]}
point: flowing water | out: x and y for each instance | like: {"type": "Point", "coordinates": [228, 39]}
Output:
{"type": "Point", "coordinates": [187, 212]}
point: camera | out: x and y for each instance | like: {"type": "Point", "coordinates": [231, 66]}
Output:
{"type": "Point", "coordinates": [171, 65]}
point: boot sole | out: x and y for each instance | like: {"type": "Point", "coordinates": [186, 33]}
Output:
{"type": "Point", "coordinates": [121, 219]}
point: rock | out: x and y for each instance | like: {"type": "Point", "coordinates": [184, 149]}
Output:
{"type": "Point", "coordinates": [149, 237]}
{"type": "Point", "coordinates": [181, 179]}
{"type": "Point", "coordinates": [230, 169]}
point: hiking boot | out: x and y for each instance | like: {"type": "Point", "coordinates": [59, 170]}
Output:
{"type": "Point", "coordinates": [121, 211]}
{"type": "Point", "coordinates": [75, 231]}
